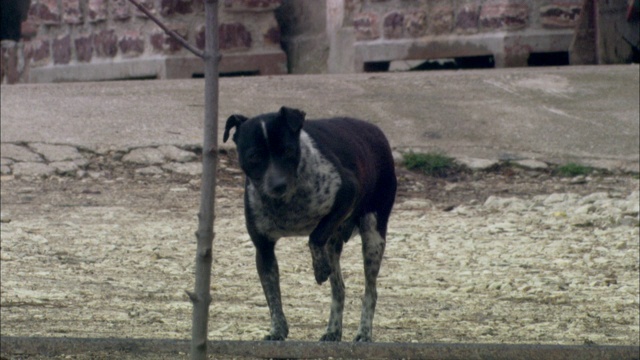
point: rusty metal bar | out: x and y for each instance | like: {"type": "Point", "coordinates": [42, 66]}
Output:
{"type": "Point", "coordinates": [316, 350]}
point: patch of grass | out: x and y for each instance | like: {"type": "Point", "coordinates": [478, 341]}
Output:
{"type": "Point", "coordinates": [573, 169]}
{"type": "Point", "coordinates": [432, 164]}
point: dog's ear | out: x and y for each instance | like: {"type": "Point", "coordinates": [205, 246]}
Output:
{"type": "Point", "coordinates": [234, 121]}
{"type": "Point", "coordinates": [294, 117]}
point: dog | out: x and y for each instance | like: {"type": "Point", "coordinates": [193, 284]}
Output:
{"type": "Point", "coordinates": [325, 179]}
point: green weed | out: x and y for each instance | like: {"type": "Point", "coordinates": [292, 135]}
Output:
{"type": "Point", "coordinates": [573, 169]}
{"type": "Point", "coordinates": [433, 164]}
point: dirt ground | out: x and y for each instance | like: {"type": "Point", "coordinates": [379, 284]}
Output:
{"type": "Point", "coordinates": [506, 256]}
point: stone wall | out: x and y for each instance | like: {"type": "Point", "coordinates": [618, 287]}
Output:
{"type": "Point", "coordinates": [361, 31]}
{"type": "Point", "coordinates": [67, 40]}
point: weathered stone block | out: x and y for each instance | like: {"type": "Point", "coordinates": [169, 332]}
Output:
{"type": "Point", "coordinates": [144, 156]}
{"type": "Point", "coordinates": [366, 26]}
{"type": "Point", "coordinates": [251, 5]}
{"type": "Point", "coordinates": [28, 29]}
{"type": "Point", "coordinates": [272, 36]}
{"type": "Point", "coordinates": [149, 5]}
{"type": "Point", "coordinates": [504, 16]}
{"type": "Point", "coordinates": [467, 18]}
{"type": "Point", "coordinates": [234, 36]}
{"type": "Point", "coordinates": [120, 9]}
{"type": "Point", "coordinates": [162, 42]}
{"type": "Point", "coordinates": [106, 43]}
{"type": "Point", "coordinates": [532, 164]}
{"type": "Point", "coordinates": [393, 25]}
{"type": "Point", "coordinates": [71, 12]}
{"type": "Point", "coordinates": [39, 51]}
{"type": "Point", "coordinates": [97, 10]}
{"type": "Point", "coordinates": [171, 7]}
{"type": "Point", "coordinates": [350, 5]}
{"type": "Point", "coordinates": [53, 153]}
{"type": "Point", "coordinates": [131, 44]}
{"type": "Point", "coordinates": [84, 48]}
{"type": "Point", "coordinates": [176, 154]}
{"type": "Point", "coordinates": [192, 168]}
{"type": "Point", "coordinates": [441, 20]}
{"type": "Point", "coordinates": [45, 12]}
{"type": "Point", "coordinates": [560, 15]}
{"type": "Point", "coordinates": [31, 169]}
{"type": "Point", "coordinates": [415, 23]}
{"type": "Point", "coordinates": [18, 153]}
{"type": "Point", "coordinates": [64, 167]}
{"type": "Point", "coordinates": [62, 50]}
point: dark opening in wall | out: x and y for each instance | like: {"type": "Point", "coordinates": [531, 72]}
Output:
{"type": "Point", "coordinates": [228, 74]}
{"type": "Point", "coordinates": [469, 62]}
{"type": "Point", "coordinates": [128, 78]}
{"type": "Point", "coordinates": [437, 64]}
{"type": "Point", "coordinates": [377, 66]}
{"type": "Point", "coordinates": [559, 58]}
{"type": "Point", "coordinates": [476, 62]}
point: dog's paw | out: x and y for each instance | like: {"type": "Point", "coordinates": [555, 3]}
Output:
{"type": "Point", "coordinates": [363, 338]}
{"type": "Point", "coordinates": [273, 337]}
{"type": "Point", "coordinates": [278, 332]}
{"type": "Point", "coordinates": [333, 336]}
{"type": "Point", "coordinates": [321, 267]}
{"type": "Point", "coordinates": [322, 271]}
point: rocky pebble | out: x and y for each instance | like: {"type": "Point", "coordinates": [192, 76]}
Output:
{"type": "Point", "coordinates": [42, 160]}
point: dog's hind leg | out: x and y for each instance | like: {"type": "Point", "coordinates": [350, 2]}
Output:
{"type": "Point", "coordinates": [373, 244]}
{"type": "Point", "coordinates": [267, 265]}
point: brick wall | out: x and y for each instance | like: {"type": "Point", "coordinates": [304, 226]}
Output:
{"type": "Point", "coordinates": [83, 36]}
{"type": "Point", "coordinates": [394, 19]}
{"type": "Point", "coordinates": [510, 30]}
{"type": "Point", "coordinates": [372, 31]}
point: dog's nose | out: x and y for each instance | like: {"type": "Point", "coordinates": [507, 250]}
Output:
{"type": "Point", "coordinates": [278, 186]}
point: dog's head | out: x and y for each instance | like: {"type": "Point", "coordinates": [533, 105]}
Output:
{"type": "Point", "coordinates": [268, 148]}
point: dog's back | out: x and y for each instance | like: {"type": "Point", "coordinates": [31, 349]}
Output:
{"type": "Point", "coordinates": [362, 148]}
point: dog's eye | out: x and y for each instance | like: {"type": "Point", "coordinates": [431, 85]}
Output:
{"type": "Point", "coordinates": [253, 158]}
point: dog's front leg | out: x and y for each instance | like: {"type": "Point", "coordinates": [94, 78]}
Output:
{"type": "Point", "coordinates": [341, 210]}
{"type": "Point", "coordinates": [267, 265]}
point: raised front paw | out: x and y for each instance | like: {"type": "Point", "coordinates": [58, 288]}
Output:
{"type": "Point", "coordinates": [321, 267]}
{"type": "Point", "coordinates": [321, 270]}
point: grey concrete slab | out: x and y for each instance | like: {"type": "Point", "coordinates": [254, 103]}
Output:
{"type": "Point", "coordinates": [584, 114]}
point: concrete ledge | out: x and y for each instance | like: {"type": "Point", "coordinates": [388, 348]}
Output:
{"type": "Point", "coordinates": [508, 48]}
{"type": "Point", "coordinates": [263, 63]}
{"type": "Point", "coordinates": [305, 350]}
{"type": "Point", "coordinates": [131, 69]}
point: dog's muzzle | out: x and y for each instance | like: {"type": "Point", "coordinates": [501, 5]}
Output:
{"type": "Point", "coordinates": [276, 183]}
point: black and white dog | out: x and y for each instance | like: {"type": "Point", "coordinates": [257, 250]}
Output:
{"type": "Point", "coordinates": [322, 178]}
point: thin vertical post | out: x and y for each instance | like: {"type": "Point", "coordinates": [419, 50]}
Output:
{"type": "Point", "coordinates": [201, 297]}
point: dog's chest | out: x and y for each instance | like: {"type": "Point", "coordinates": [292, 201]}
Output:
{"type": "Point", "coordinates": [300, 211]}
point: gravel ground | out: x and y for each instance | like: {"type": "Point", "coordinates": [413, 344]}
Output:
{"type": "Point", "coordinates": [508, 256]}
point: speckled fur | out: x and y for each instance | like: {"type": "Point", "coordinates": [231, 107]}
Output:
{"type": "Point", "coordinates": [299, 211]}
{"type": "Point", "coordinates": [329, 180]}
